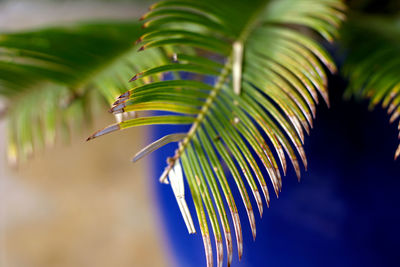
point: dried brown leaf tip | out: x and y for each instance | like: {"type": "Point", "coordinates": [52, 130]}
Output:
{"type": "Point", "coordinates": [118, 101]}
{"type": "Point", "coordinates": [220, 252]}
{"type": "Point", "coordinates": [266, 194]}
{"type": "Point", "coordinates": [252, 224]}
{"type": "Point", "coordinates": [119, 108]}
{"type": "Point", "coordinates": [152, 6]}
{"type": "Point", "coordinates": [391, 108]}
{"type": "Point", "coordinates": [119, 105]}
{"type": "Point", "coordinates": [109, 129]}
{"type": "Point", "coordinates": [325, 96]}
{"type": "Point", "coordinates": [145, 25]}
{"type": "Point", "coordinates": [143, 17]}
{"type": "Point", "coordinates": [259, 202]}
{"type": "Point", "coordinates": [395, 116]}
{"type": "Point", "coordinates": [208, 250]}
{"type": "Point", "coordinates": [229, 248]}
{"type": "Point", "coordinates": [134, 78]}
{"type": "Point", "coordinates": [397, 154]}
{"type": "Point", "coordinates": [238, 231]}
{"type": "Point", "coordinates": [125, 95]}
{"type": "Point", "coordinates": [138, 41]}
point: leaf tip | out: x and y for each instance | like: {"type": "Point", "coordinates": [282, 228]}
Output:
{"type": "Point", "coordinates": [229, 248]}
{"type": "Point", "coordinates": [327, 100]}
{"type": "Point", "coordinates": [109, 129]}
{"type": "Point", "coordinates": [153, 6]}
{"type": "Point", "coordinates": [220, 252]}
{"type": "Point", "coordinates": [119, 108]}
{"type": "Point", "coordinates": [134, 78]}
{"type": "Point", "coordinates": [252, 224]}
{"type": "Point", "coordinates": [125, 95]}
{"type": "Point", "coordinates": [145, 25]}
{"type": "Point", "coordinates": [164, 176]}
{"type": "Point", "coordinates": [138, 41]}
{"type": "Point", "coordinates": [143, 17]}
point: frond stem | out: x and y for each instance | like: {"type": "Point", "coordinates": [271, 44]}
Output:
{"type": "Point", "coordinates": [199, 119]}
{"type": "Point", "coordinates": [213, 94]}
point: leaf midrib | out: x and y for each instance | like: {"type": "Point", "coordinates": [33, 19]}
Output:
{"type": "Point", "coordinates": [225, 72]}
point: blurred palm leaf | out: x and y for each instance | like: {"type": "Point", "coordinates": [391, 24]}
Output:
{"type": "Point", "coordinates": [47, 77]}
{"type": "Point", "coordinates": [266, 71]}
{"type": "Point", "coordinates": [372, 64]}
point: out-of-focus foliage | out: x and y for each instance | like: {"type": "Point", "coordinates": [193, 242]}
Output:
{"type": "Point", "coordinates": [50, 77]}
{"type": "Point", "coordinates": [372, 64]}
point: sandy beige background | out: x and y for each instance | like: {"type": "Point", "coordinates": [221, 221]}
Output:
{"type": "Point", "coordinates": [82, 204]}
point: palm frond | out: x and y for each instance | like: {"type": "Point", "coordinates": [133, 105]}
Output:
{"type": "Point", "coordinates": [266, 71]}
{"type": "Point", "coordinates": [372, 65]}
{"type": "Point", "coordinates": [49, 77]}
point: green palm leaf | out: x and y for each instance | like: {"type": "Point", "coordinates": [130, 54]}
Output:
{"type": "Point", "coordinates": [372, 66]}
{"type": "Point", "coordinates": [50, 78]}
{"type": "Point", "coordinates": [267, 72]}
